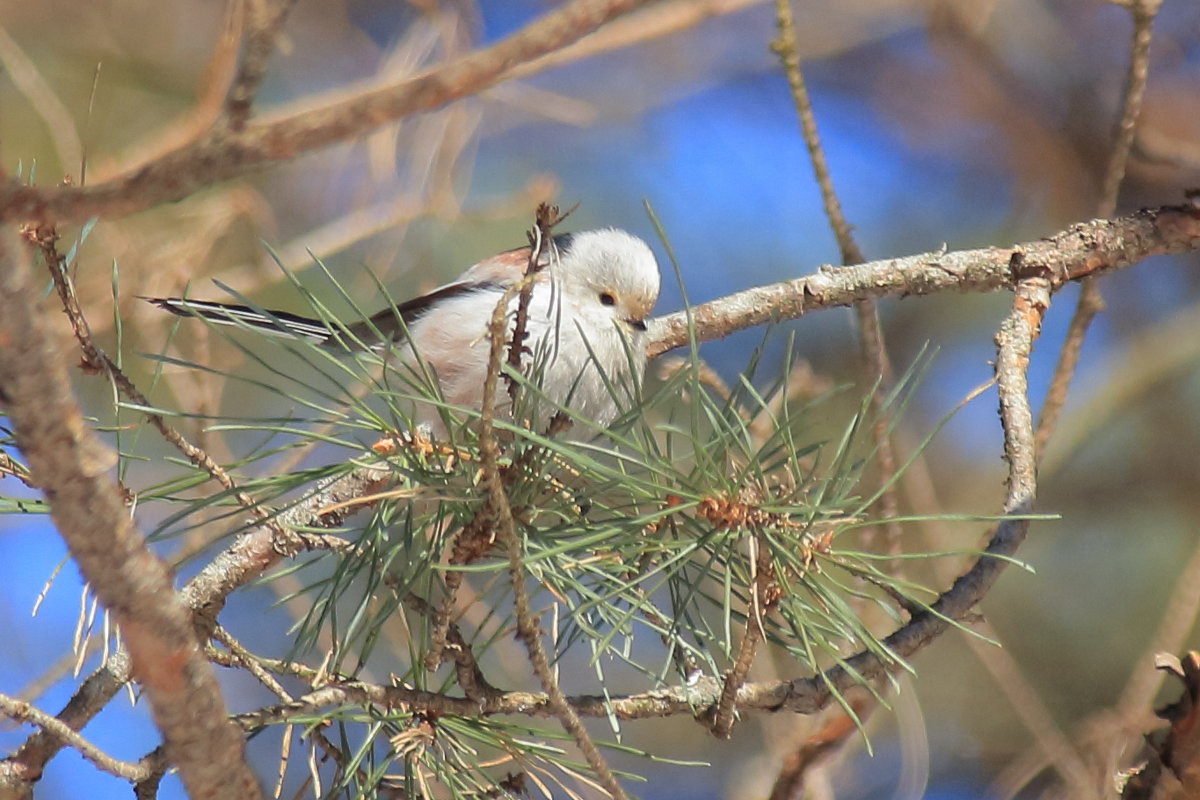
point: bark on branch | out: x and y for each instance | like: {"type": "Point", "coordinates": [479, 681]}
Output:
{"type": "Point", "coordinates": [222, 153]}
{"type": "Point", "coordinates": [71, 467]}
{"type": "Point", "coordinates": [1083, 250]}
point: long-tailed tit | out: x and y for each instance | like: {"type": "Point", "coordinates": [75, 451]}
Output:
{"type": "Point", "coordinates": [587, 315]}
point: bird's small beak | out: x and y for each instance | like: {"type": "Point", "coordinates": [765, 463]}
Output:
{"type": "Point", "coordinates": [636, 324]}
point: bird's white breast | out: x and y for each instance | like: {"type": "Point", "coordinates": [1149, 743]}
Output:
{"type": "Point", "coordinates": [453, 340]}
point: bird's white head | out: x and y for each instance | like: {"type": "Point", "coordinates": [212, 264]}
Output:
{"type": "Point", "coordinates": [615, 268]}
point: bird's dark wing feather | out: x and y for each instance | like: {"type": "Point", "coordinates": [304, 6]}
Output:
{"type": "Point", "coordinates": [496, 273]}
{"type": "Point", "coordinates": [388, 326]}
{"type": "Point", "coordinates": [392, 324]}
{"type": "Point", "coordinates": [277, 322]}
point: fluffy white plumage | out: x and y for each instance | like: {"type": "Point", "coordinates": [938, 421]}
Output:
{"type": "Point", "coordinates": [587, 314]}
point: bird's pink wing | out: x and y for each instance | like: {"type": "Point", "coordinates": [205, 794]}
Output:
{"type": "Point", "coordinates": [497, 272]}
{"type": "Point", "coordinates": [503, 269]}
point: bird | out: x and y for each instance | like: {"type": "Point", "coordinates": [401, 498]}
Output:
{"type": "Point", "coordinates": [587, 310]}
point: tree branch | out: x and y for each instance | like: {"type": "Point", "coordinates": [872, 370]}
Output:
{"type": "Point", "coordinates": [21, 711]}
{"type": "Point", "coordinates": [505, 526]}
{"type": "Point", "coordinates": [264, 24]}
{"type": "Point", "coordinates": [1085, 249]}
{"type": "Point", "coordinates": [222, 154]}
{"type": "Point", "coordinates": [1090, 302]}
{"type": "Point", "coordinates": [876, 364]}
{"type": "Point", "coordinates": [250, 555]}
{"type": "Point", "coordinates": [1014, 343]}
{"type": "Point", "coordinates": [71, 467]}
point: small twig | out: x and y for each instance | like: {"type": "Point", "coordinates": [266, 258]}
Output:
{"type": "Point", "coordinates": [439, 615]}
{"type": "Point", "coordinates": [243, 658]}
{"type": "Point", "coordinates": [1090, 302]}
{"type": "Point", "coordinates": [764, 598]}
{"type": "Point", "coordinates": [470, 677]}
{"type": "Point", "coordinates": [1136, 76]}
{"type": "Point", "coordinates": [265, 24]}
{"type": "Point", "coordinates": [472, 539]}
{"type": "Point", "coordinates": [541, 251]}
{"type": "Point", "coordinates": [876, 365]}
{"type": "Point", "coordinates": [21, 711]}
{"type": "Point", "coordinates": [46, 239]}
{"type": "Point", "coordinates": [506, 532]}
{"type": "Point", "coordinates": [466, 669]}
{"type": "Point", "coordinates": [466, 545]}
{"type": "Point", "coordinates": [224, 658]}
{"type": "Point", "coordinates": [786, 48]}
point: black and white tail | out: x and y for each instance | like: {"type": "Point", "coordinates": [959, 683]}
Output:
{"type": "Point", "coordinates": [279, 323]}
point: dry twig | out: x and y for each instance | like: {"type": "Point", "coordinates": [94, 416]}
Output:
{"type": "Point", "coordinates": [265, 24]}
{"type": "Point", "coordinates": [1090, 302]}
{"type": "Point", "coordinates": [876, 365]}
{"type": "Point", "coordinates": [504, 523]}
{"type": "Point", "coordinates": [20, 711]}
{"type": "Point", "coordinates": [765, 596]}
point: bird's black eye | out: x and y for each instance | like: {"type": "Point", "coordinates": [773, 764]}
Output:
{"type": "Point", "coordinates": [607, 299]}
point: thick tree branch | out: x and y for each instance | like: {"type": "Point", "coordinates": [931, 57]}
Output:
{"type": "Point", "coordinates": [1086, 249]}
{"type": "Point", "coordinates": [223, 154]}
{"type": "Point", "coordinates": [71, 467]}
